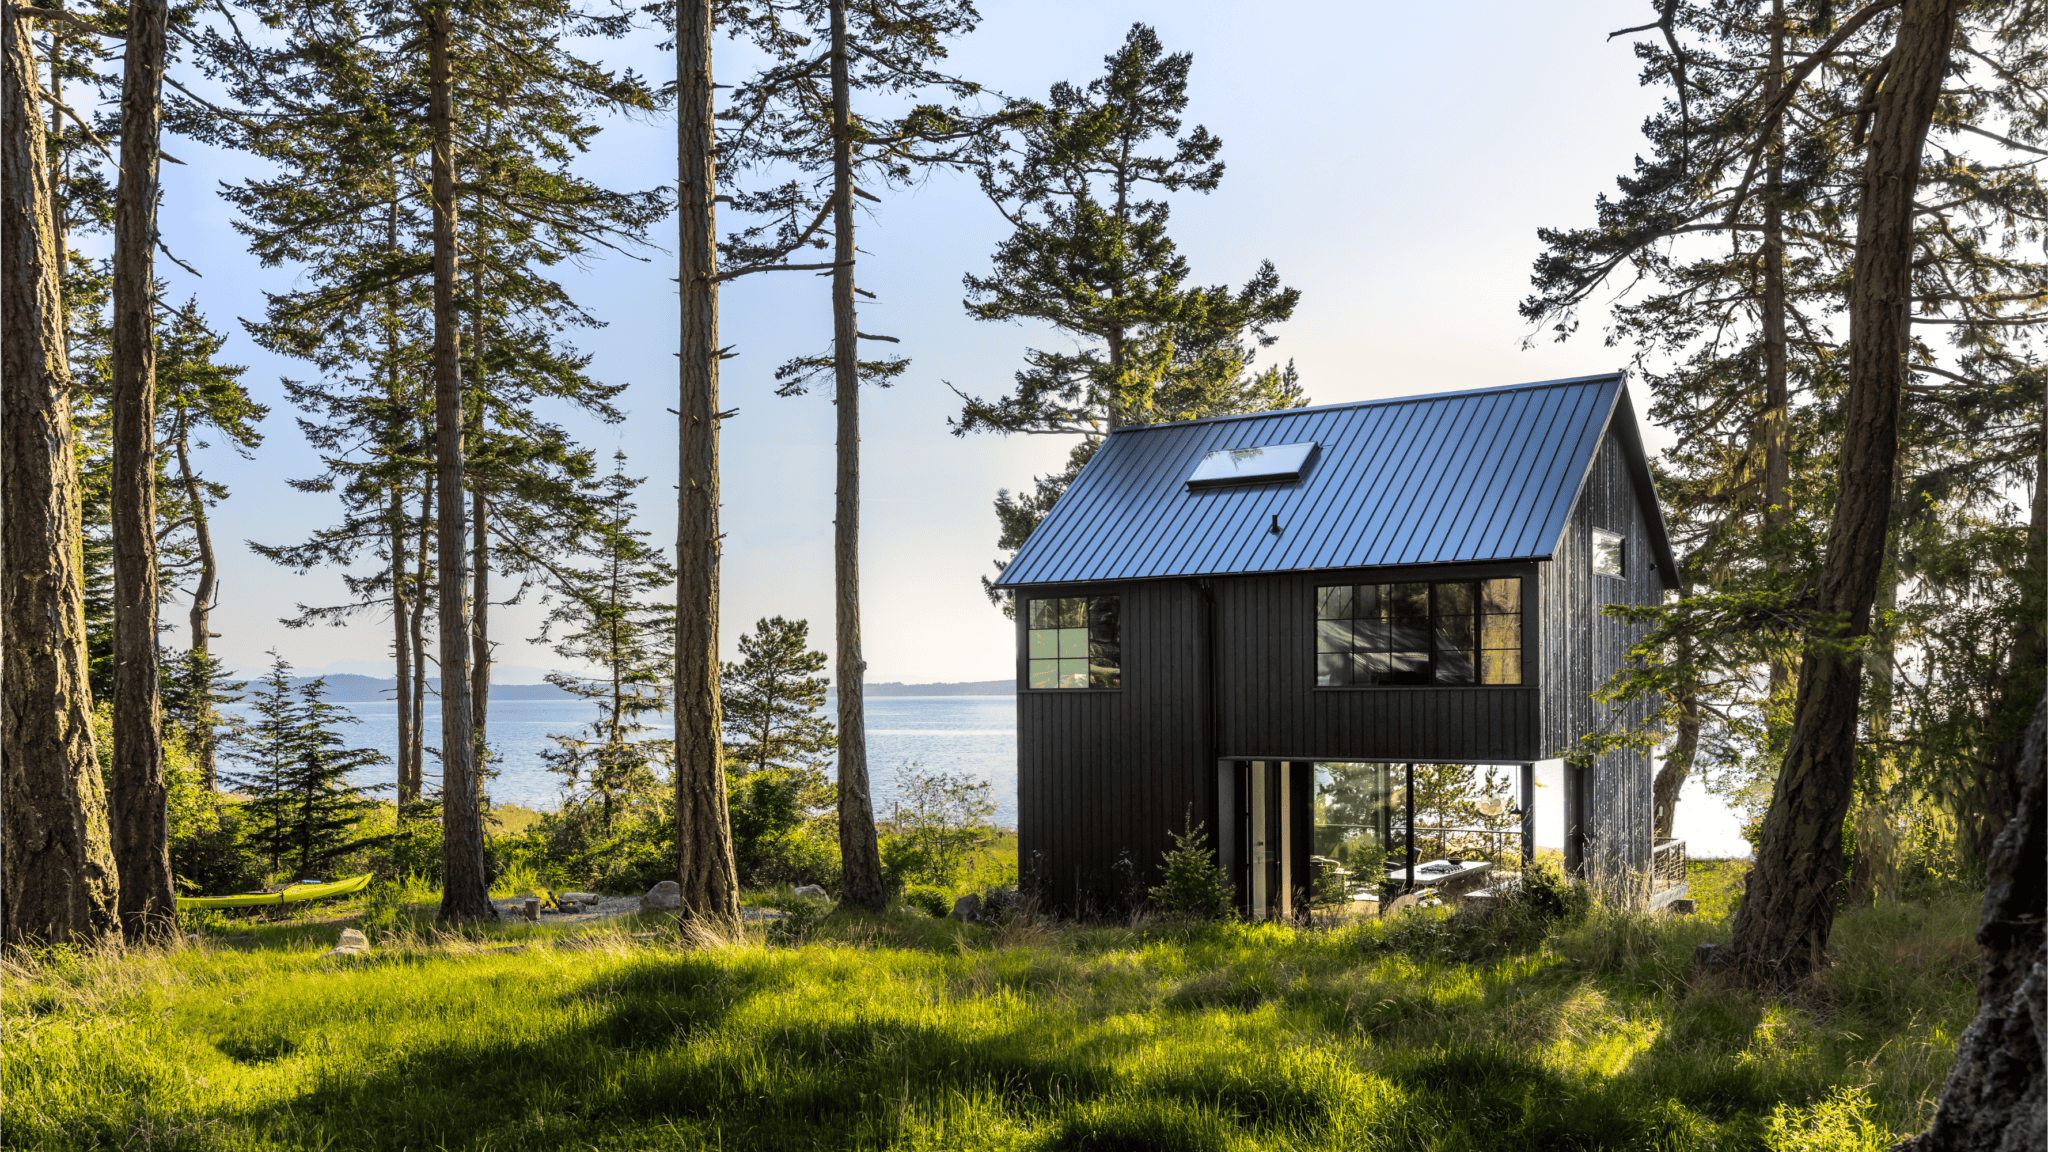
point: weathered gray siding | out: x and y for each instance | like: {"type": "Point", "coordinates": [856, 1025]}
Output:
{"type": "Point", "coordinates": [1581, 649]}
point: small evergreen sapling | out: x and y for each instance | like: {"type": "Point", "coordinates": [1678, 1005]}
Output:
{"type": "Point", "coordinates": [1191, 885]}
{"type": "Point", "coordinates": [301, 807]}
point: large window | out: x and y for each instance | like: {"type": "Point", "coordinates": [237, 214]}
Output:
{"type": "Point", "coordinates": [1446, 632]}
{"type": "Point", "coordinates": [1075, 642]}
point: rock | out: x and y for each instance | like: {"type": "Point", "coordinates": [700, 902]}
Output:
{"type": "Point", "coordinates": [813, 892]}
{"type": "Point", "coordinates": [667, 894]}
{"type": "Point", "coordinates": [967, 907]}
{"type": "Point", "coordinates": [351, 938]}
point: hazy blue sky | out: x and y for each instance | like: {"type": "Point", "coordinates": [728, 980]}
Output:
{"type": "Point", "coordinates": [1394, 161]}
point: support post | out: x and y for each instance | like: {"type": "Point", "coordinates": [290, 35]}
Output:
{"type": "Point", "coordinates": [1528, 814]}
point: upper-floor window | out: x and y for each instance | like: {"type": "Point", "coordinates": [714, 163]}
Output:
{"type": "Point", "coordinates": [1445, 632]}
{"type": "Point", "coordinates": [1610, 553]}
{"type": "Point", "coordinates": [1074, 642]}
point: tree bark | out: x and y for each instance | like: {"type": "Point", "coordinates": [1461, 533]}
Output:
{"type": "Point", "coordinates": [704, 860]}
{"type": "Point", "coordinates": [465, 894]}
{"type": "Point", "coordinates": [1781, 928]}
{"type": "Point", "coordinates": [58, 882]}
{"type": "Point", "coordinates": [1991, 802]}
{"type": "Point", "coordinates": [141, 821]}
{"type": "Point", "coordinates": [420, 599]}
{"type": "Point", "coordinates": [480, 621]}
{"type": "Point", "coordinates": [860, 857]}
{"type": "Point", "coordinates": [1994, 1098]}
{"type": "Point", "coordinates": [1678, 759]}
{"type": "Point", "coordinates": [394, 434]}
{"type": "Point", "coordinates": [202, 605]}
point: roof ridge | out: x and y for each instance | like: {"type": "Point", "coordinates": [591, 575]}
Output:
{"type": "Point", "coordinates": [1389, 400]}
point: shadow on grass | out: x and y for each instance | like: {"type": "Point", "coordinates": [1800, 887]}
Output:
{"type": "Point", "coordinates": [663, 1061]}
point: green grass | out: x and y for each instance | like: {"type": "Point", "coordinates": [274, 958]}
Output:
{"type": "Point", "coordinates": [908, 1032]}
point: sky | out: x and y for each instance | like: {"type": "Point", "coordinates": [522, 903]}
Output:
{"type": "Point", "coordinates": [1393, 160]}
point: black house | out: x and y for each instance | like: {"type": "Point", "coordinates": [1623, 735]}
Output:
{"type": "Point", "coordinates": [1265, 621]}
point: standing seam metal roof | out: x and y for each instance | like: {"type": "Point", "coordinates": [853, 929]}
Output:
{"type": "Point", "coordinates": [1452, 477]}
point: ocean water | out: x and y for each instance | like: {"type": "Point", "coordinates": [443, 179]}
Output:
{"type": "Point", "coordinates": [970, 734]}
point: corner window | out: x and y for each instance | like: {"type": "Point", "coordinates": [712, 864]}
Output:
{"type": "Point", "coordinates": [1610, 553]}
{"type": "Point", "coordinates": [1075, 642]}
{"type": "Point", "coordinates": [1446, 632]}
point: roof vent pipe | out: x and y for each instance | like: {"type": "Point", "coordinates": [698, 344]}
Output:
{"type": "Point", "coordinates": [1276, 524]}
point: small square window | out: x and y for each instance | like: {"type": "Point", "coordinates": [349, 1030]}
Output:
{"type": "Point", "coordinates": [1073, 642]}
{"type": "Point", "coordinates": [1610, 555]}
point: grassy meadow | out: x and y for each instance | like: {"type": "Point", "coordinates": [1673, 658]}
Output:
{"type": "Point", "coordinates": [909, 1032]}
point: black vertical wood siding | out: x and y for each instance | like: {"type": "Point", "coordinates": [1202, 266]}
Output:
{"type": "Point", "coordinates": [1102, 773]}
{"type": "Point", "coordinates": [1581, 648]}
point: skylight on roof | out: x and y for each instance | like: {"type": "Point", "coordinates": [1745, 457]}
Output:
{"type": "Point", "coordinates": [1266, 464]}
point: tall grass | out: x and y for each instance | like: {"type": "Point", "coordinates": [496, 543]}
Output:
{"type": "Point", "coordinates": [906, 1032]}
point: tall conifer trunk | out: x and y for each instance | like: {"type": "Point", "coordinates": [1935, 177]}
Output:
{"type": "Point", "coordinates": [464, 895]}
{"type": "Point", "coordinates": [396, 527]}
{"type": "Point", "coordinates": [202, 602]}
{"type": "Point", "coordinates": [859, 855]}
{"type": "Point", "coordinates": [1781, 928]}
{"type": "Point", "coordinates": [141, 821]}
{"type": "Point", "coordinates": [704, 860]}
{"type": "Point", "coordinates": [58, 882]}
{"type": "Point", "coordinates": [421, 584]}
{"type": "Point", "coordinates": [1777, 397]}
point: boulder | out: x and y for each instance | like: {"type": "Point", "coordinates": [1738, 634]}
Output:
{"type": "Point", "coordinates": [967, 907]}
{"type": "Point", "coordinates": [351, 938]}
{"type": "Point", "coordinates": [667, 894]}
{"type": "Point", "coordinates": [813, 892]}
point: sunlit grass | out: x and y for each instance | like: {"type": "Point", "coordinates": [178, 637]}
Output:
{"type": "Point", "coordinates": [909, 1032]}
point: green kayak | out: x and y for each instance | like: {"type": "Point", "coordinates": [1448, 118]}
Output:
{"type": "Point", "coordinates": [291, 895]}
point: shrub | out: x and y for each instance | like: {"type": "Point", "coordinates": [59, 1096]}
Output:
{"type": "Point", "coordinates": [926, 898]}
{"type": "Point", "coordinates": [941, 819]}
{"type": "Point", "coordinates": [1191, 886]}
{"type": "Point", "coordinates": [782, 830]}
{"type": "Point", "coordinates": [800, 921]}
{"type": "Point", "coordinates": [1548, 896]}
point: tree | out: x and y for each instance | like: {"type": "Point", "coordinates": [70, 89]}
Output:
{"type": "Point", "coordinates": [141, 821]}
{"type": "Point", "coordinates": [799, 112]}
{"type": "Point", "coordinates": [772, 697]}
{"type": "Point", "coordinates": [59, 876]}
{"type": "Point", "coordinates": [1090, 256]}
{"type": "Point", "coordinates": [196, 394]}
{"type": "Point", "coordinates": [301, 806]}
{"type": "Point", "coordinates": [511, 116]}
{"type": "Point", "coordinates": [1781, 927]}
{"type": "Point", "coordinates": [1994, 1095]}
{"type": "Point", "coordinates": [1746, 220]}
{"type": "Point", "coordinates": [610, 622]}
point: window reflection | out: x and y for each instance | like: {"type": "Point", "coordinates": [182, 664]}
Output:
{"type": "Point", "coordinates": [1451, 632]}
{"type": "Point", "coordinates": [1074, 642]}
{"type": "Point", "coordinates": [1359, 828]}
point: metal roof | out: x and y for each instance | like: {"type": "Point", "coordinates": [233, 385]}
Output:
{"type": "Point", "coordinates": [1446, 478]}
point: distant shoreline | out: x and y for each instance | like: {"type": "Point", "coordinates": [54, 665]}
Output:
{"type": "Point", "coordinates": [351, 688]}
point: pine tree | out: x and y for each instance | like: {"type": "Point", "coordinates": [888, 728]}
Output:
{"type": "Point", "coordinates": [1090, 256]}
{"type": "Point", "coordinates": [799, 112]}
{"type": "Point", "coordinates": [505, 107]}
{"type": "Point", "coordinates": [772, 698]}
{"type": "Point", "coordinates": [195, 394]}
{"type": "Point", "coordinates": [300, 804]}
{"type": "Point", "coordinates": [60, 881]}
{"type": "Point", "coordinates": [608, 619]}
{"type": "Point", "coordinates": [1784, 122]}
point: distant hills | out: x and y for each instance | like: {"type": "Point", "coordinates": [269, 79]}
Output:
{"type": "Point", "coordinates": [349, 688]}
